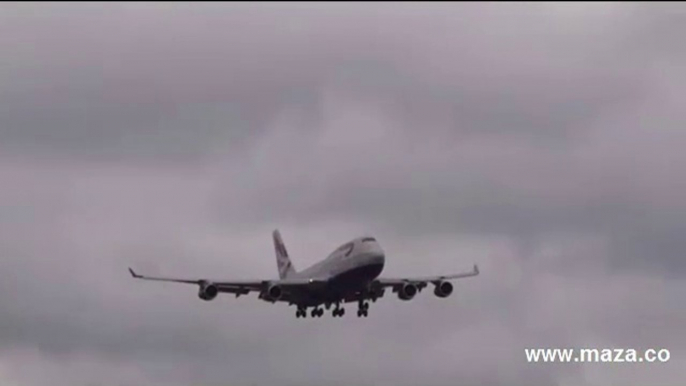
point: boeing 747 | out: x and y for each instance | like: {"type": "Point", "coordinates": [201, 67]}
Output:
{"type": "Point", "coordinates": [351, 273]}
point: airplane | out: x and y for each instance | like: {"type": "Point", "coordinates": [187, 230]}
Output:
{"type": "Point", "coordinates": [351, 273]}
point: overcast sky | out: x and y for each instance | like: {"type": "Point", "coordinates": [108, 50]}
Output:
{"type": "Point", "coordinates": [544, 142]}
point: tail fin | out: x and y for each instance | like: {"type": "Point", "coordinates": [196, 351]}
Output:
{"type": "Point", "coordinates": [283, 262]}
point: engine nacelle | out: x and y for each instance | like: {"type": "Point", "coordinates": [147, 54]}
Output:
{"type": "Point", "coordinates": [443, 289]}
{"type": "Point", "coordinates": [407, 291]}
{"type": "Point", "coordinates": [274, 293]}
{"type": "Point", "coordinates": [208, 291]}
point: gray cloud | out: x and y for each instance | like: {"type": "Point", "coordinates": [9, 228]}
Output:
{"type": "Point", "coordinates": [541, 141]}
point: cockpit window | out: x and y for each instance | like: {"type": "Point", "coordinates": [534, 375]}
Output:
{"type": "Point", "coordinates": [364, 240]}
{"type": "Point", "coordinates": [347, 248]}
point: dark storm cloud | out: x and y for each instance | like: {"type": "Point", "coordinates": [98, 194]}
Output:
{"type": "Point", "coordinates": [543, 142]}
{"type": "Point", "coordinates": [136, 81]}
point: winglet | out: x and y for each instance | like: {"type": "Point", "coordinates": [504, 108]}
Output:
{"type": "Point", "coordinates": [134, 273]}
{"type": "Point", "coordinates": [476, 269]}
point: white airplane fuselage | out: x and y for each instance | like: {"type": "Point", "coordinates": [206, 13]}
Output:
{"type": "Point", "coordinates": [347, 270]}
{"type": "Point", "coordinates": [355, 263]}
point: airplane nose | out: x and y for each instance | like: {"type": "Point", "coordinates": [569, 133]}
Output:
{"type": "Point", "coordinates": [378, 258]}
{"type": "Point", "coordinates": [374, 254]}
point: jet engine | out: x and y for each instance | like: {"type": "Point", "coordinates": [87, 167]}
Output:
{"type": "Point", "coordinates": [274, 293]}
{"type": "Point", "coordinates": [208, 291]}
{"type": "Point", "coordinates": [407, 291]}
{"type": "Point", "coordinates": [443, 289]}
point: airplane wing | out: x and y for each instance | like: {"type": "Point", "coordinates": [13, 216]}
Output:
{"type": "Point", "coordinates": [378, 287]}
{"type": "Point", "coordinates": [235, 287]}
{"type": "Point", "coordinates": [423, 280]}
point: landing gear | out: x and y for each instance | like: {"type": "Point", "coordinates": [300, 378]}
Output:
{"type": "Point", "coordinates": [363, 309]}
{"type": "Point", "coordinates": [338, 311]}
{"type": "Point", "coordinates": [315, 313]}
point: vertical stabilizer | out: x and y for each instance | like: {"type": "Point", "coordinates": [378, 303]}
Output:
{"type": "Point", "coordinates": [283, 262]}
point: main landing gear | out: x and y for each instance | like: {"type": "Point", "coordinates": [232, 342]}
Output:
{"type": "Point", "coordinates": [362, 309]}
{"type": "Point", "coordinates": [315, 313]}
{"type": "Point", "coordinates": [338, 311]}
{"type": "Point", "coordinates": [318, 312]}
